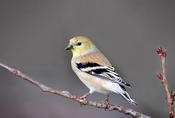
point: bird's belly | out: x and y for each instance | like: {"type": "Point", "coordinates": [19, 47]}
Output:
{"type": "Point", "coordinates": [94, 83]}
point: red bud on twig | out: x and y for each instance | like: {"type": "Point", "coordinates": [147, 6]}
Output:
{"type": "Point", "coordinates": [171, 115]}
{"type": "Point", "coordinates": [159, 75]}
{"type": "Point", "coordinates": [159, 50]}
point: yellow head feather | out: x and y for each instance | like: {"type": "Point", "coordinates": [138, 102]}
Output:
{"type": "Point", "coordinates": [80, 45]}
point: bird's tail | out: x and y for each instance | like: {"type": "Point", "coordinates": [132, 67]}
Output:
{"type": "Point", "coordinates": [118, 89]}
{"type": "Point", "coordinates": [127, 97]}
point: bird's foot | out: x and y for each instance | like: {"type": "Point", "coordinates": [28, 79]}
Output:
{"type": "Point", "coordinates": [84, 98]}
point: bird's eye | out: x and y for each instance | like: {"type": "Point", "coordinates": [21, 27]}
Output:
{"type": "Point", "coordinates": [79, 43]}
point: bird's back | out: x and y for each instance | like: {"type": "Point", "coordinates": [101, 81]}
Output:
{"type": "Point", "coordinates": [94, 56]}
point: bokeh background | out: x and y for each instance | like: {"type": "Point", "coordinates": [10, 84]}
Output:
{"type": "Point", "coordinates": [33, 34]}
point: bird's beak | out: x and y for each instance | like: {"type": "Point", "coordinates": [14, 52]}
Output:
{"type": "Point", "coordinates": [69, 47]}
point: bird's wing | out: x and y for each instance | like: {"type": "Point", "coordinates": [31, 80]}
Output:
{"type": "Point", "coordinates": [103, 72]}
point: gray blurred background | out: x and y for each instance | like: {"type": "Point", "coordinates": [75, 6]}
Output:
{"type": "Point", "coordinates": [33, 34]}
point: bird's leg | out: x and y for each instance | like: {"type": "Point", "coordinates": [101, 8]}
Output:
{"type": "Point", "coordinates": [85, 95]}
{"type": "Point", "coordinates": [84, 98]}
{"type": "Point", "coordinates": [106, 102]}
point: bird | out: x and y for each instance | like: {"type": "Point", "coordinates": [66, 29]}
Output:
{"type": "Point", "coordinates": [95, 70]}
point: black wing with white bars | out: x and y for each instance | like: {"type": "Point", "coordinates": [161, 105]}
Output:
{"type": "Point", "coordinates": [104, 72]}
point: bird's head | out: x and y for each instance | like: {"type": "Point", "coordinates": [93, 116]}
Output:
{"type": "Point", "coordinates": [80, 45]}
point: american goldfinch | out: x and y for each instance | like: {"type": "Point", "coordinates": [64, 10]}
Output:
{"type": "Point", "coordinates": [94, 69]}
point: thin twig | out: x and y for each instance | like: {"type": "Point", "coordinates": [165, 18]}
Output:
{"type": "Point", "coordinates": [162, 77]}
{"type": "Point", "coordinates": [67, 94]}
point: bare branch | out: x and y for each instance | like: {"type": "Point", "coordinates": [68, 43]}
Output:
{"type": "Point", "coordinates": [67, 94]}
{"type": "Point", "coordinates": [170, 97]}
